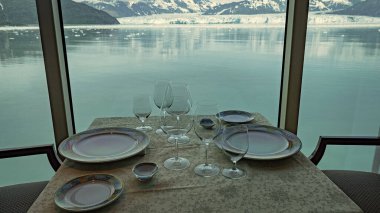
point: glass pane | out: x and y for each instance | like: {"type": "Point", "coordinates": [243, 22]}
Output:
{"type": "Point", "coordinates": [340, 92]}
{"type": "Point", "coordinates": [25, 118]}
{"type": "Point", "coordinates": [234, 57]}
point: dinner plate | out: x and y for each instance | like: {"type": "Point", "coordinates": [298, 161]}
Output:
{"type": "Point", "coordinates": [88, 192]}
{"type": "Point", "coordinates": [103, 145]}
{"type": "Point", "coordinates": [235, 116]}
{"type": "Point", "coordinates": [265, 142]}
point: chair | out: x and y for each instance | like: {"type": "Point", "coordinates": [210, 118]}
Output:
{"type": "Point", "coordinates": [18, 198]}
{"type": "Point", "coordinates": [362, 187]}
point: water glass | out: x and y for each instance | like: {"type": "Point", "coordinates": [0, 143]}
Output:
{"type": "Point", "coordinates": [175, 123]}
{"type": "Point", "coordinates": [142, 109]}
{"type": "Point", "coordinates": [162, 89]}
{"type": "Point", "coordinates": [207, 128]}
{"type": "Point", "coordinates": [181, 91]}
{"type": "Point", "coordinates": [235, 144]}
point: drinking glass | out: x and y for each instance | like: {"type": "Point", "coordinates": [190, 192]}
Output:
{"type": "Point", "coordinates": [181, 90]}
{"type": "Point", "coordinates": [162, 87]}
{"type": "Point", "coordinates": [235, 145]}
{"type": "Point", "coordinates": [142, 109]}
{"type": "Point", "coordinates": [176, 124]}
{"type": "Point", "coordinates": [207, 128]}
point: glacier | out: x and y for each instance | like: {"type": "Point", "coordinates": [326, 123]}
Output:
{"type": "Point", "coordinates": [257, 20]}
{"type": "Point", "coordinates": [198, 20]}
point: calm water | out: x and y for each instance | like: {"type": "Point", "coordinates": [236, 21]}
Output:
{"type": "Point", "coordinates": [240, 68]}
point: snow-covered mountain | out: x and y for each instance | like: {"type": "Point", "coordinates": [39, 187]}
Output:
{"type": "Point", "coordinates": [248, 7]}
{"type": "Point", "coordinates": [331, 5]}
{"type": "Point", "coordinates": [127, 8]}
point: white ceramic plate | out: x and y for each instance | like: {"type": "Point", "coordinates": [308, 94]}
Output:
{"type": "Point", "coordinates": [266, 142]}
{"type": "Point", "coordinates": [88, 192]}
{"type": "Point", "coordinates": [103, 145]}
{"type": "Point", "coordinates": [235, 116]}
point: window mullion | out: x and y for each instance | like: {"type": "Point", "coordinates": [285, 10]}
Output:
{"type": "Point", "coordinates": [295, 38]}
{"type": "Point", "coordinates": [53, 47]}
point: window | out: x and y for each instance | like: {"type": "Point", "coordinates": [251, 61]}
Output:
{"type": "Point", "coordinates": [340, 89]}
{"type": "Point", "coordinates": [234, 58]}
{"type": "Point", "coordinates": [25, 118]}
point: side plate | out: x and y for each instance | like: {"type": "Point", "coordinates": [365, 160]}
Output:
{"type": "Point", "coordinates": [235, 116]}
{"type": "Point", "coordinates": [88, 192]}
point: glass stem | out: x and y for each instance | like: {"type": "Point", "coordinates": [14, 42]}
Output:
{"type": "Point", "coordinates": [143, 122]}
{"type": "Point", "coordinates": [206, 154]}
{"type": "Point", "coordinates": [176, 148]}
{"type": "Point", "coordinates": [234, 167]}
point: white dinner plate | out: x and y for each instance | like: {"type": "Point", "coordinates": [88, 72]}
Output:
{"type": "Point", "coordinates": [88, 192]}
{"type": "Point", "coordinates": [103, 145]}
{"type": "Point", "coordinates": [265, 142]}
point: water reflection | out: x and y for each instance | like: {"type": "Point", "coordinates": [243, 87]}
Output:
{"type": "Point", "coordinates": [174, 42]}
{"type": "Point", "coordinates": [18, 47]}
{"type": "Point", "coordinates": [342, 44]}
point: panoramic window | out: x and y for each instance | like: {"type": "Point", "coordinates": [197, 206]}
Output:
{"type": "Point", "coordinates": [25, 118]}
{"type": "Point", "coordinates": [340, 88]}
{"type": "Point", "coordinates": [229, 51]}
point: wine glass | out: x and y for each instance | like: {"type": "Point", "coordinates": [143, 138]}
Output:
{"type": "Point", "coordinates": [175, 123]}
{"type": "Point", "coordinates": [207, 128]}
{"type": "Point", "coordinates": [235, 145]}
{"type": "Point", "coordinates": [142, 109]}
{"type": "Point", "coordinates": [181, 90]}
{"type": "Point", "coordinates": [161, 87]}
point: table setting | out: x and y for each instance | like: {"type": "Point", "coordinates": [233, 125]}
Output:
{"type": "Point", "coordinates": [202, 161]}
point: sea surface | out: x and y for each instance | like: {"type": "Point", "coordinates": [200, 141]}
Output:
{"type": "Point", "coordinates": [238, 67]}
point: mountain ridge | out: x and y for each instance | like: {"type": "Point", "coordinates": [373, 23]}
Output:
{"type": "Point", "coordinates": [16, 13]}
{"type": "Point", "coordinates": [128, 8]}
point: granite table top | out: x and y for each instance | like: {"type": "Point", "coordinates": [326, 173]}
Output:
{"type": "Point", "coordinates": [293, 184]}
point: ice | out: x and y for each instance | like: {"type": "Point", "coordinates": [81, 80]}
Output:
{"type": "Point", "coordinates": [199, 20]}
{"type": "Point", "coordinates": [258, 20]}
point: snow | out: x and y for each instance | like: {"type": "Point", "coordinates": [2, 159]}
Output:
{"type": "Point", "coordinates": [266, 19]}
{"type": "Point", "coordinates": [265, 3]}
{"type": "Point", "coordinates": [1, 6]}
{"type": "Point", "coordinates": [109, 2]}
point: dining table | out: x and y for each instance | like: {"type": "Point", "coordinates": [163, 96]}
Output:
{"type": "Point", "coordinates": [292, 184]}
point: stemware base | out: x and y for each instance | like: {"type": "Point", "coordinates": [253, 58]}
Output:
{"type": "Point", "coordinates": [144, 128]}
{"type": "Point", "coordinates": [160, 132]}
{"type": "Point", "coordinates": [234, 173]}
{"type": "Point", "coordinates": [176, 163]}
{"type": "Point", "coordinates": [208, 170]}
{"type": "Point", "coordinates": [181, 140]}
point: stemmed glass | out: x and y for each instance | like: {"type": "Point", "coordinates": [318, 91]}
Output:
{"type": "Point", "coordinates": [181, 90]}
{"type": "Point", "coordinates": [207, 128]}
{"type": "Point", "coordinates": [161, 88]}
{"type": "Point", "coordinates": [142, 109]}
{"type": "Point", "coordinates": [235, 145]}
{"type": "Point", "coordinates": [176, 124]}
